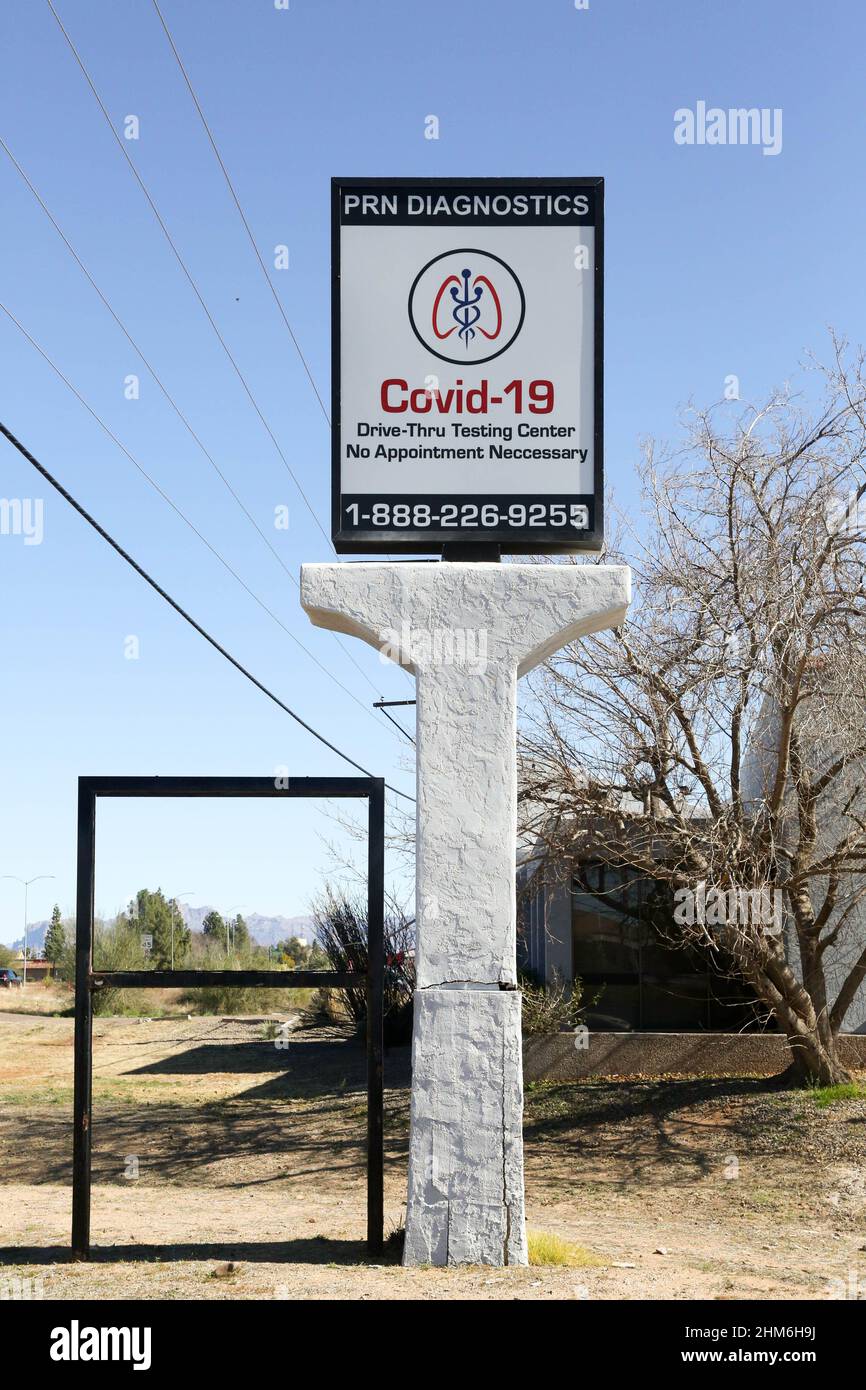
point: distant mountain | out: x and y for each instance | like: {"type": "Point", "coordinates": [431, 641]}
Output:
{"type": "Point", "coordinates": [267, 931]}
{"type": "Point", "coordinates": [35, 937]}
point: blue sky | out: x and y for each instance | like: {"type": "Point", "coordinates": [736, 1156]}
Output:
{"type": "Point", "coordinates": [719, 261]}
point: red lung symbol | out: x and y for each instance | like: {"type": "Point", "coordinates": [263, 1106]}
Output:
{"type": "Point", "coordinates": [466, 311]}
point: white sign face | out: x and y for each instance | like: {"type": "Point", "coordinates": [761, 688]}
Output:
{"type": "Point", "coordinates": [467, 363]}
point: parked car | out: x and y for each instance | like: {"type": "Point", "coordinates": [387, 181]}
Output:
{"type": "Point", "coordinates": [9, 978]}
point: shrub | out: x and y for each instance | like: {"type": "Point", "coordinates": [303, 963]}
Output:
{"type": "Point", "coordinates": [235, 999]}
{"type": "Point", "coordinates": [116, 946]}
{"type": "Point", "coordinates": [553, 1008]}
{"type": "Point", "coordinates": [327, 1006]}
{"type": "Point", "coordinates": [341, 929]}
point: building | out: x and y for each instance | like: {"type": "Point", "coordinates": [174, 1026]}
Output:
{"type": "Point", "coordinates": [582, 916]}
{"type": "Point", "coordinates": [826, 735]}
{"type": "Point", "coordinates": [588, 919]}
{"type": "Point", "coordinates": [40, 969]}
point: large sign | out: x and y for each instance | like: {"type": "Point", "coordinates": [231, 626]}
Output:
{"type": "Point", "coordinates": [467, 364]}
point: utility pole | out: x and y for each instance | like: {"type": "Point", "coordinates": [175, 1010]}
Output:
{"type": "Point", "coordinates": [27, 882]}
{"type": "Point", "coordinates": [231, 934]}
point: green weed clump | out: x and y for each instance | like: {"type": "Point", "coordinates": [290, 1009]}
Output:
{"type": "Point", "coordinates": [825, 1096]}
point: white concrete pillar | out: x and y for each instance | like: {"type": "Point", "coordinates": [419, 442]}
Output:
{"type": "Point", "coordinates": [467, 632]}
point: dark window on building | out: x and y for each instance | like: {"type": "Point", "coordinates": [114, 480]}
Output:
{"type": "Point", "coordinates": [620, 952]}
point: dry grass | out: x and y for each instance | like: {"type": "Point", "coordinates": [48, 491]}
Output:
{"type": "Point", "coordinates": [546, 1248]}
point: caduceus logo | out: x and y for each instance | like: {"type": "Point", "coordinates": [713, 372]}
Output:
{"type": "Point", "coordinates": [466, 306]}
{"type": "Point", "coordinates": [465, 292]}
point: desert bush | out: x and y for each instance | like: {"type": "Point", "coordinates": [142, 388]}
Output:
{"type": "Point", "coordinates": [327, 1006]}
{"type": "Point", "coordinates": [116, 946]}
{"type": "Point", "coordinates": [553, 1008]}
{"type": "Point", "coordinates": [235, 999]}
{"type": "Point", "coordinates": [341, 929]}
{"type": "Point", "coordinates": [230, 999]}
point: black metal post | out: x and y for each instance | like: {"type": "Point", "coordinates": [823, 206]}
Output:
{"type": "Point", "coordinates": [83, 1024]}
{"type": "Point", "coordinates": [239, 979]}
{"type": "Point", "coordinates": [472, 552]}
{"type": "Point", "coordinates": [375, 1017]}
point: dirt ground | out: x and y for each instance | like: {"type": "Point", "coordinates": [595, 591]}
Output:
{"type": "Point", "coordinates": [211, 1145]}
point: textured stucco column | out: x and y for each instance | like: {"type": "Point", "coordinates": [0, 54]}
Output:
{"type": "Point", "coordinates": [466, 631]}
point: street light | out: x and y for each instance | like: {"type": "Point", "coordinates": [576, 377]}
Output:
{"type": "Point", "coordinates": [27, 882]}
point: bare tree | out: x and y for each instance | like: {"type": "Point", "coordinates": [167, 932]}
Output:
{"type": "Point", "coordinates": [730, 706]}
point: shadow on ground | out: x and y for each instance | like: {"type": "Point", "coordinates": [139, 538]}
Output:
{"type": "Point", "coordinates": [306, 1121]}
{"type": "Point", "coordinates": [639, 1127]}
{"type": "Point", "coordinates": [308, 1066]}
{"type": "Point", "coordinates": [311, 1250]}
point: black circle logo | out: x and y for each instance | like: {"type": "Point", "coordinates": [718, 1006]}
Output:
{"type": "Point", "coordinates": [466, 306]}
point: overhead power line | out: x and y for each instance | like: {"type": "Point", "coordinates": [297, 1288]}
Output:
{"type": "Point", "coordinates": [164, 389]}
{"type": "Point", "coordinates": [188, 274]}
{"type": "Point", "coordinates": [179, 512]}
{"type": "Point", "coordinates": [242, 214]}
{"type": "Point", "coordinates": [140, 353]}
{"type": "Point", "coordinates": [200, 297]}
{"type": "Point", "coordinates": [246, 226]}
{"type": "Point", "coordinates": [382, 707]}
{"type": "Point", "coordinates": [115, 545]}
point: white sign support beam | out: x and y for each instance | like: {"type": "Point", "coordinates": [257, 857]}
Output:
{"type": "Point", "coordinates": [467, 632]}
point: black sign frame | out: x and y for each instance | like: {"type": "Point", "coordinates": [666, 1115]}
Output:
{"type": "Point", "coordinates": [483, 540]}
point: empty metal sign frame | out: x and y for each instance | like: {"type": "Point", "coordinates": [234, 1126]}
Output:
{"type": "Point", "coordinates": [87, 980]}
